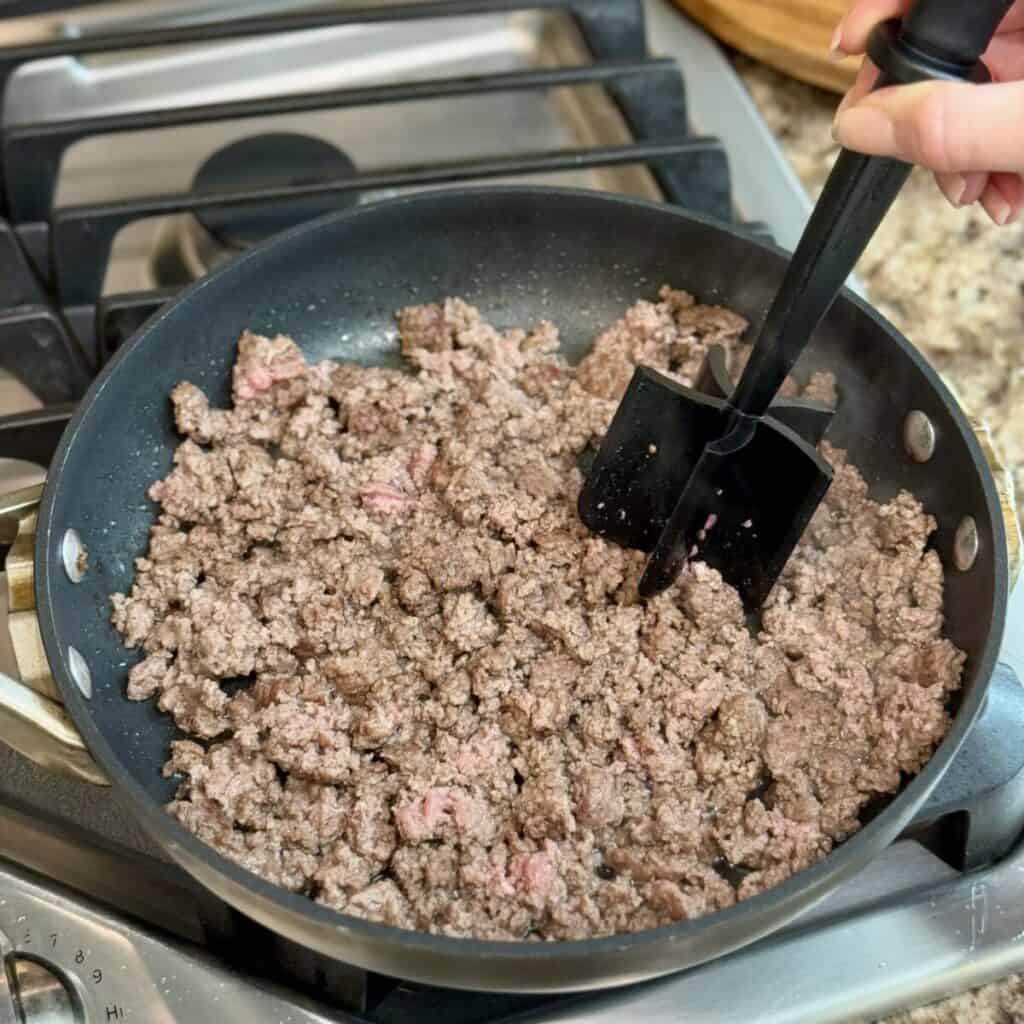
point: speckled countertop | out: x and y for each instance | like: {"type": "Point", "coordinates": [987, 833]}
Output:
{"type": "Point", "coordinates": [954, 284]}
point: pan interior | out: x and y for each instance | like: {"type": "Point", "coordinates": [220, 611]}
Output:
{"type": "Point", "coordinates": [579, 260]}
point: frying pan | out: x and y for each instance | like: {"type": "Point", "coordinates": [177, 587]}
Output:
{"type": "Point", "coordinates": [520, 254]}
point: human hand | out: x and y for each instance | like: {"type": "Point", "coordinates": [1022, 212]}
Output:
{"type": "Point", "coordinates": [971, 136]}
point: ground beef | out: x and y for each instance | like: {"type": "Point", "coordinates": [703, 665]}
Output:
{"type": "Point", "coordinates": [417, 690]}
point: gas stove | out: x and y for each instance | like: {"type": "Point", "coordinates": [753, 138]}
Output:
{"type": "Point", "coordinates": [143, 143]}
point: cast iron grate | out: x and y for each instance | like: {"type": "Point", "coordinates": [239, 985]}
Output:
{"type": "Point", "coordinates": [57, 329]}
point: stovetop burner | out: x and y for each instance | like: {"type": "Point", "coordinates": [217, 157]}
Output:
{"type": "Point", "coordinates": [277, 159]}
{"type": "Point", "coordinates": [194, 244]}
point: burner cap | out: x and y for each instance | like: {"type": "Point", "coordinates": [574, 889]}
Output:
{"type": "Point", "coordinates": [268, 161]}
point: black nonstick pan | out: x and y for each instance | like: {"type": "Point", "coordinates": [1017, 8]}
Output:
{"type": "Point", "coordinates": [580, 259]}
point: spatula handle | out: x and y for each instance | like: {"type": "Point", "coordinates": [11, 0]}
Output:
{"type": "Point", "coordinates": [956, 31]}
{"type": "Point", "coordinates": [938, 39]}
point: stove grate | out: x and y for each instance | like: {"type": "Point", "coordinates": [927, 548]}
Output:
{"type": "Point", "coordinates": [60, 255]}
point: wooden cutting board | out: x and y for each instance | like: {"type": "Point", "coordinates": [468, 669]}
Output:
{"type": "Point", "coordinates": [792, 36]}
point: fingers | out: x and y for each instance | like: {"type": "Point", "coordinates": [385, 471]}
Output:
{"type": "Point", "coordinates": [952, 186]}
{"type": "Point", "coordinates": [944, 126]}
{"type": "Point", "coordinates": [1001, 195]}
{"type": "Point", "coordinates": [1005, 57]}
{"type": "Point", "coordinates": [975, 183]}
{"type": "Point", "coordinates": [863, 84]}
{"type": "Point", "coordinates": [1014, 20]}
{"type": "Point", "coordinates": [1003, 198]}
{"type": "Point", "coordinates": [962, 189]}
{"type": "Point", "coordinates": [852, 33]}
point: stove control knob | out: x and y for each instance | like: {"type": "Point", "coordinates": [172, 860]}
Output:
{"type": "Point", "coordinates": [31, 993]}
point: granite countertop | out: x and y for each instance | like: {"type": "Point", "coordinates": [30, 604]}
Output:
{"type": "Point", "coordinates": [954, 284]}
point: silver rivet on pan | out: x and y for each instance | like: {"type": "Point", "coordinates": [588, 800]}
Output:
{"type": "Point", "coordinates": [72, 553]}
{"type": "Point", "coordinates": [80, 672]}
{"type": "Point", "coordinates": [919, 436]}
{"type": "Point", "coordinates": [965, 544]}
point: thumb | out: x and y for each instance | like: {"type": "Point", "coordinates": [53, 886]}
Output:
{"type": "Point", "coordinates": [944, 126]}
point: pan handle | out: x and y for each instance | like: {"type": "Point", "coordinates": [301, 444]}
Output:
{"type": "Point", "coordinates": [32, 718]}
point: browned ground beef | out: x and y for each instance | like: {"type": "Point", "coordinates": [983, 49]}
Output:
{"type": "Point", "coordinates": [459, 717]}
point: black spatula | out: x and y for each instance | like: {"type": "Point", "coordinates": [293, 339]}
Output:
{"type": "Point", "coordinates": [733, 479]}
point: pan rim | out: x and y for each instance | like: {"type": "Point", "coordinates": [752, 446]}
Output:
{"type": "Point", "coordinates": [818, 880]}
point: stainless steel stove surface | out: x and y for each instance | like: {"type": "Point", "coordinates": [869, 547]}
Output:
{"type": "Point", "coordinates": [122, 124]}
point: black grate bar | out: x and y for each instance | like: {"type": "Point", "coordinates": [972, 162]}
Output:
{"type": "Point", "coordinates": [700, 183]}
{"type": "Point", "coordinates": [33, 153]}
{"type": "Point", "coordinates": [82, 236]}
{"type": "Point", "coordinates": [609, 26]}
{"type": "Point", "coordinates": [37, 348]}
{"type": "Point", "coordinates": [34, 436]}
{"type": "Point", "coordinates": [18, 284]}
{"type": "Point", "coordinates": [19, 8]}
{"type": "Point", "coordinates": [118, 317]}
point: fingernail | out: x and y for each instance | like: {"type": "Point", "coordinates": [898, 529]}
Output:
{"type": "Point", "coordinates": [996, 206]}
{"type": "Point", "coordinates": [977, 182]}
{"type": "Point", "coordinates": [835, 49]}
{"type": "Point", "coordinates": [864, 128]}
{"type": "Point", "coordinates": [957, 188]}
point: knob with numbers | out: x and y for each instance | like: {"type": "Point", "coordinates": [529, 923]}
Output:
{"type": "Point", "coordinates": [67, 960]}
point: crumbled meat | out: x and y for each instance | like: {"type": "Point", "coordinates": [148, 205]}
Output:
{"type": "Point", "coordinates": [426, 695]}
{"type": "Point", "coordinates": [262, 364]}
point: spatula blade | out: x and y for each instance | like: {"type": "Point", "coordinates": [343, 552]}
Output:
{"type": "Point", "coordinates": [743, 509]}
{"type": "Point", "coordinates": [653, 443]}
